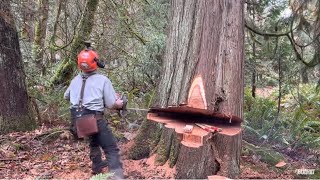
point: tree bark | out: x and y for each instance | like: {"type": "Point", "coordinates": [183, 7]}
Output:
{"type": "Point", "coordinates": [202, 71]}
{"type": "Point", "coordinates": [27, 20]}
{"type": "Point", "coordinates": [40, 34]}
{"type": "Point", "coordinates": [254, 75]}
{"type": "Point", "coordinates": [15, 114]}
{"type": "Point", "coordinates": [304, 75]}
{"type": "Point", "coordinates": [54, 33]}
{"type": "Point", "coordinates": [67, 67]}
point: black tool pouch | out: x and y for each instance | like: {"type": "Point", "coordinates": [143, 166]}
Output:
{"type": "Point", "coordinates": [73, 128]}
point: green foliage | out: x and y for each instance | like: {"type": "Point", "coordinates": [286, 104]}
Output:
{"type": "Point", "coordinates": [262, 111]}
{"type": "Point", "coordinates": [147, 137]}
{"type": "Point", "coordinates": [297, 125]}
{"type": "Point", "coordinates": [102, 176]}
{"type": "Point", "coordinates": [136, 49]}
{"type": "Point", "coordinates": [302, 117]}
{"type": "Point", "coordinates": [50, 104]}
{"type": "Point", "coordinates": [267, 155]}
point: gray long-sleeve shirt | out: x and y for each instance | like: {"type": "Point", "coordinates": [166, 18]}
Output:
{"type": "Point", "coordinates": [98, 92]}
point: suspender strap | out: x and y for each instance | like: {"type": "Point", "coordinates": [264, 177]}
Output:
{"type": "Point", "coordinates": [84, 79]}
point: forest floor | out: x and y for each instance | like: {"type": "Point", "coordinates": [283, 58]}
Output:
{"type": "Point", "coordinates": [51, 153]}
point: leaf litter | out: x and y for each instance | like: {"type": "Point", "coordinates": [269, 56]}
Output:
{"type": "Point", "coordinates": [52, 153]}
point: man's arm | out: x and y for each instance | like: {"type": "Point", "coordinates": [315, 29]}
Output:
{"type": "Point", "coordinates": [109, 95]}
{"type": "Point", "coordinates": [67, 94]}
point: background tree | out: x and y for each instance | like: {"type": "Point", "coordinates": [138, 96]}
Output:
{"type": "Point", "coordinates": [40, 34]}
{"type": "Point", "coordinates": [65, 71]}
{"type": "Point", "coordinates": [15, 111]}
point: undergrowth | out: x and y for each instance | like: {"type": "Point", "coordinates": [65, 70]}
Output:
{"type": "Point", "coordinates": [296, 125]}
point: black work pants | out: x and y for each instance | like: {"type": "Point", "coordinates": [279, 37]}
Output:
{"type": "Point", "coordinates": [104, 139]}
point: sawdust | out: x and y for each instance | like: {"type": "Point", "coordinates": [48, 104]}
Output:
{"type": "Point", "coordinates": [144, 168]}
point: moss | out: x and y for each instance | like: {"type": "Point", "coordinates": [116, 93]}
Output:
{"type": "Point", "coordinates": [162, 156]}
{"type": "Point", "coordinates": [17, 123]}
{"type": "Point", "coordinates": [37, 33]}
{"type": "Point", "coordinates": [166, 142]}
{"type": "Point", "coordinates": [65, 71]}
{"type": "Point", "coordinates": [267, 155]}
{"type": "Point", "coordinates": [174, 151]}
{"type": "Point", "coordinates": [316, 174]}
{"type": "Point", "coordinates": [145, 141]}
{"type": "Point", "coordinates": [155, 136]}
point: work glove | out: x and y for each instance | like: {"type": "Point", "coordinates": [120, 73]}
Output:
{"type": "Point", "coordinates": [118, 104]}
{"type": "Point", "coordinates": [121, 104]}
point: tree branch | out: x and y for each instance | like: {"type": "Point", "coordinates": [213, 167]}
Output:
{"type": "Point", "coordinates": [252, 28]}
{"type": "Point", "coordinates": [289, 35]}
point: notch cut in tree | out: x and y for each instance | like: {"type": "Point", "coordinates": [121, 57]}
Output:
{"type": "Point", "coordinates": [201, 81]}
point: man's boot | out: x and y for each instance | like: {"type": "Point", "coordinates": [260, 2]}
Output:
{"type": "Point", "coordinates": [97, 169]}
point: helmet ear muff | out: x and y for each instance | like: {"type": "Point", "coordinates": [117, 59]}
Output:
{"type": "Point", "coordinates": [99, 63]}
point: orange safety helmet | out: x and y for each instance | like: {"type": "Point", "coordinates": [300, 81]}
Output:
{"type": "Point", "coordinates": [87, 60]}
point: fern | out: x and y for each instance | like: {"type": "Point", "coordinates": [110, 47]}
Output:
{"type": "Point", "coordinates": [101, 176]}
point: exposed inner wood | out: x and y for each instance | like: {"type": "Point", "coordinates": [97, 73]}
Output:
{"type": "Point", "coordinates": [197, 96]}
{"type": "Point", "coordinates": [216, 177]}
{"type": "Point", "coordinates": [196, 136]}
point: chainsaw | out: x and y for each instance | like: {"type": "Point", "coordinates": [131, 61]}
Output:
{"type": "Point", "coordinates": [123, 111]}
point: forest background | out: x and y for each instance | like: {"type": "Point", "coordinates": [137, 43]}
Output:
{"type": "Point", "coordinates": [282, 65]}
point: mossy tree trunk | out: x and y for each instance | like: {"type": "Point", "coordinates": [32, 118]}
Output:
{"type": "Point", "coordinates": [40, 35]}
{"type": "Point", "coordinates": [206, 40]}
{"type": "Point", "coordinates": [68, 65]}
{"type": "Point", "coordinates": [52, 42]}
{"type": "Point", "coordinates": [28, 16]}
{"type": "Point", "coordinates": [15, 111]}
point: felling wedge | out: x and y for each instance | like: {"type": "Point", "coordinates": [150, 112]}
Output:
{"type": "Point", "coordinates": [212, 129]}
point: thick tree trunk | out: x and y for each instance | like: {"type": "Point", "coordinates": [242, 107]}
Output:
{"type": "Point", "coordinates": [205, 39]}
{"type": "Point", "coordinates": [15, 113]}
{"type": "Point", "coordinates": [66, 69]}
{"type": "Point", "coordinates": [40, 34]}
{"type": "Point", "coordinates": [202, 74]}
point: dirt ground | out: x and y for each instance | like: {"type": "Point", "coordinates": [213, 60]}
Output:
{"type": "Point", "coordinates": [55, 155]}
